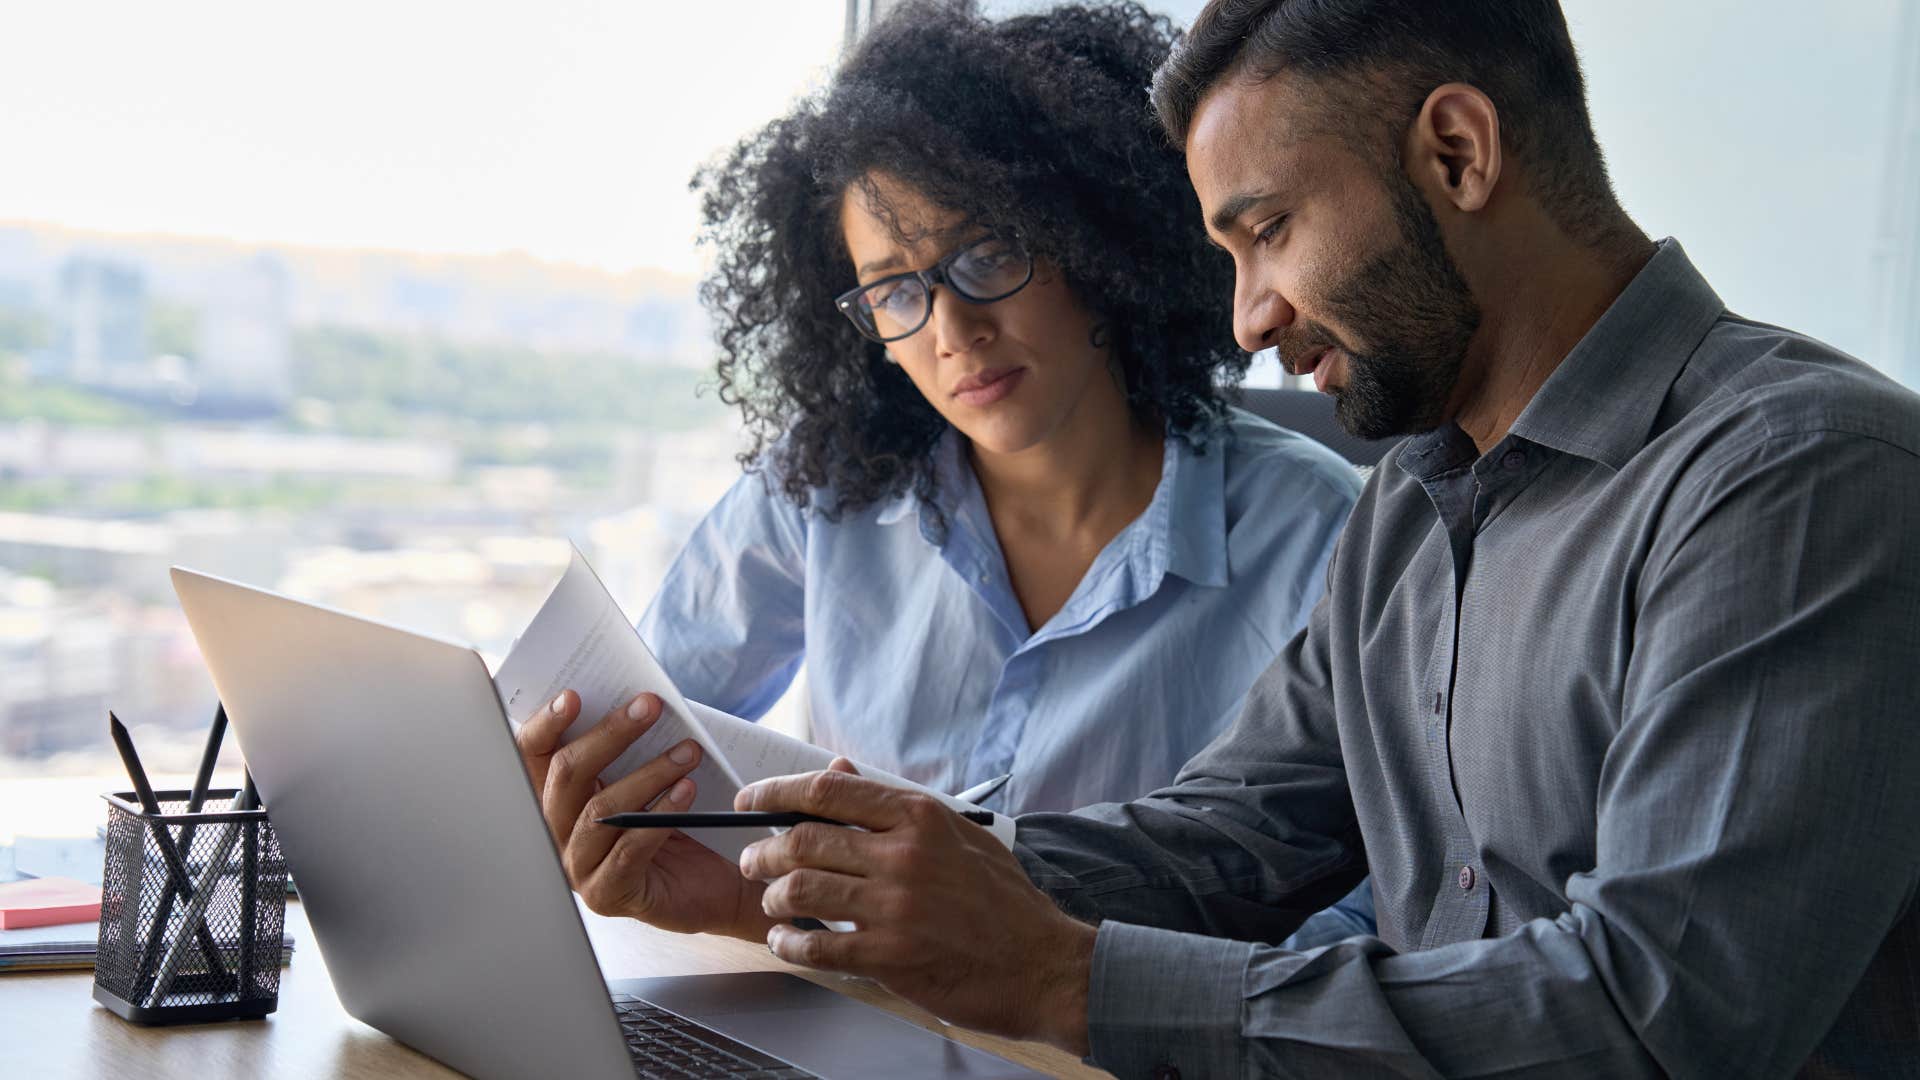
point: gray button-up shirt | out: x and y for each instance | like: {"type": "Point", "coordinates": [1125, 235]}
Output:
{"type": "Point", "coordinates": [1624, 718]}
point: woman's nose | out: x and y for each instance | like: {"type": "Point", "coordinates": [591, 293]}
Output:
{"type": "Point", "coordinates": [958, 326]}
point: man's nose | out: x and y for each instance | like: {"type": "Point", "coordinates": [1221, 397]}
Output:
{"type": "Point", "coordinates": [958, 326]}
{"type": "Point", "coordinates": [1260, 315]}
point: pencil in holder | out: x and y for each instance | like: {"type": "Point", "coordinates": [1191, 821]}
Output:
{"type": "Point", "coordinates": [192, 910]}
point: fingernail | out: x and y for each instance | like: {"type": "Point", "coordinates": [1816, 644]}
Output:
{"type": "Point", "coordinates": [636, 708]}
{"type": "Point", "coordinates": [682, 792]}
{"type": "Point", "coordinates": [559, 703]}
{"type": "Point", "coordinates": [681, 754]}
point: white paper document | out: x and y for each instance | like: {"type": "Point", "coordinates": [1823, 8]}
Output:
{"type": "Point", "coordinates": [581, 641]}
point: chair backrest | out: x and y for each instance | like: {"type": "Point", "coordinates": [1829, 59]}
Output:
{"type": "Point", "coordinates": [1311, 414]}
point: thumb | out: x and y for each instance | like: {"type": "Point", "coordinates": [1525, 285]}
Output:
{"type": "Point", "coordinates": [841, 764]}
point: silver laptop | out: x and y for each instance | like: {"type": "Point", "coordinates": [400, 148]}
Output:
{"type": "Point", "coordinates": [435, 892]}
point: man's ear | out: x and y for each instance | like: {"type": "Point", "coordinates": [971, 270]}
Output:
{"type": "Point", "coordinates": [1453, 147]}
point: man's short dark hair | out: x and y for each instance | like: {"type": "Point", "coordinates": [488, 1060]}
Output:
{"type": "Point", "coordinates": [1377, 60]}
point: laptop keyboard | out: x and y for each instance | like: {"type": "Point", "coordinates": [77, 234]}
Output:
{"type": "Point", "coordinates": [666, 1045]}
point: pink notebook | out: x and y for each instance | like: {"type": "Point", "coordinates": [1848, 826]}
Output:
{"type": "Point", "coordinates": [47, 902]}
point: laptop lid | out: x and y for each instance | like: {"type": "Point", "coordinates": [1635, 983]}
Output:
{"type": "Point", "coordinates": [439, 905]}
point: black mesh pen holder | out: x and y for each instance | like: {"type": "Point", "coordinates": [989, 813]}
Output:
{"type": "Point", "coordinates": [190, 926]}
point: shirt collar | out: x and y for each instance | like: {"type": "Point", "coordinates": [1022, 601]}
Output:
{"type": "Point", "coordinates": [1193, 486]}
{"type": "Point", "coordinates": [1183, 530]}
{"type": "Point", "coordinates": [1602, 400]}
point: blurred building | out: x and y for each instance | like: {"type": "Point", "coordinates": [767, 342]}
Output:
{"type": "Point", "coordinates": [245, 360]}
{"type": "Point", "coordinates": [102, 323]}
{"type": "Point", "coordinates": [86, 552]}
{"type": "Point", "coordinates": [679, 472]}
{"type": "Point", "coordinates": [69, 655]}
{"type": "Point", "coordinates": [478, 592]}
{"type": "Point", "coordinates": [56, 666]}
{"type": "Point", "coordinates": [36, 449]}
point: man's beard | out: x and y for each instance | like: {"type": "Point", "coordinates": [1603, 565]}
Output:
{"type": "Point", "coordinates": [1413, 310]}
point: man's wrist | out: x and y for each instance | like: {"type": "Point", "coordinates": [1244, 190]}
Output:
{"type": "Point", "coordinates": [1069, 984]}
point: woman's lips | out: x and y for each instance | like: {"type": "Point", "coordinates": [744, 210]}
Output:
{"type": "Point", "coordinates": [987, 387]}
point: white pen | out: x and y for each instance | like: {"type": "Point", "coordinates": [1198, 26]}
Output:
{"type": "Point", "coordinates": [978, 793]}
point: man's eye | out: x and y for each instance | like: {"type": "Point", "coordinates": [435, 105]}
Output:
{"type": "Point", "coordinates": [1268, 233]}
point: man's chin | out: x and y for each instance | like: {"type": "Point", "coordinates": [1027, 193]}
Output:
{"type": "Point", "coordinates": [1366, 416]}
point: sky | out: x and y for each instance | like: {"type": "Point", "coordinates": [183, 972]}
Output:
{"type": "Point", "coordinates": [1755, 131]}
{"type": "Point", "coordinates": [564, 128]}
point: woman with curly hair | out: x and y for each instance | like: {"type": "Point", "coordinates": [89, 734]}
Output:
{"type": "Point", "coordinates": [996, 499]}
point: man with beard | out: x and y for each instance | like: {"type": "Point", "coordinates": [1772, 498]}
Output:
{"type": "Point", "coordinates": [1612, 689]}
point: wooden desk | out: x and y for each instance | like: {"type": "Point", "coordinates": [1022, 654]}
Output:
{"type": "Point", "coordinates": [51, 1028]}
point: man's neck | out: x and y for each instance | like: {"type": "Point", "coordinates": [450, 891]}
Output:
{"type": "Point", "coordinates": [1534, 310]}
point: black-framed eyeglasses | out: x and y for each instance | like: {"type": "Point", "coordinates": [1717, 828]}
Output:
{"type": "Point", "coordinates": [991, 268]}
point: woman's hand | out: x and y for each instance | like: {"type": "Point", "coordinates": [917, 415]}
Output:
{"type": "Point", "coordinates": [659, 876]}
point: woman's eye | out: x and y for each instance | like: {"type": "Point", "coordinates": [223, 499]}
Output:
{"type": "Point", "coordinates": [896, 297]}
{"type": "Point", "coordinates": [986, 259]}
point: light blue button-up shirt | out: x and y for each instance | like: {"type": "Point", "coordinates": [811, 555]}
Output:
{"type": "Point", "coordinates": [919, 657]}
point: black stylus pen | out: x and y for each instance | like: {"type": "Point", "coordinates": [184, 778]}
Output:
{"type": "Point", "coordinates": [729, 819]}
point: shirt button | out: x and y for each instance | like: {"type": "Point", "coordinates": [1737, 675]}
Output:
{"type": "Point", "coordinates": [1466, 878]}
{"type": "Point", "coordinates": [1513, 460]}
{"type": "Point", "coordinates": [1165, 1072]}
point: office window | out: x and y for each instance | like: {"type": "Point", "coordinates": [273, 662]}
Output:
{"type": "Point", "coordinates": [378, 304]}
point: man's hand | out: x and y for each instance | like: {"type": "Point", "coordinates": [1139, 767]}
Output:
{"type": "Point", "coordinates": [659, 876]}
{"type": "Point", "coordinates": [946, 917]}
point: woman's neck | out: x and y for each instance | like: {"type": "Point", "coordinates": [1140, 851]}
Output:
{"type": "Point", "coordinates": [1096, 473]}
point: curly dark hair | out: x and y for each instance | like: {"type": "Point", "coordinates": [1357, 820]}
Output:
{"type": "Point", "coordinates": [1039, 124]}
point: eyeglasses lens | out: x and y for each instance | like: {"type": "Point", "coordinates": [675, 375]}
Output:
{"type": "Point", "coordinates": [989, 270]}
{"type": "Point", "coordinates": [992, 269]}
{"type": "Point", "coordinates": [896, 307]}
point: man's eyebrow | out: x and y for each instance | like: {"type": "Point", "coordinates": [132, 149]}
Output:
{"type": "Point", "coordinates": [1230, 211]}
